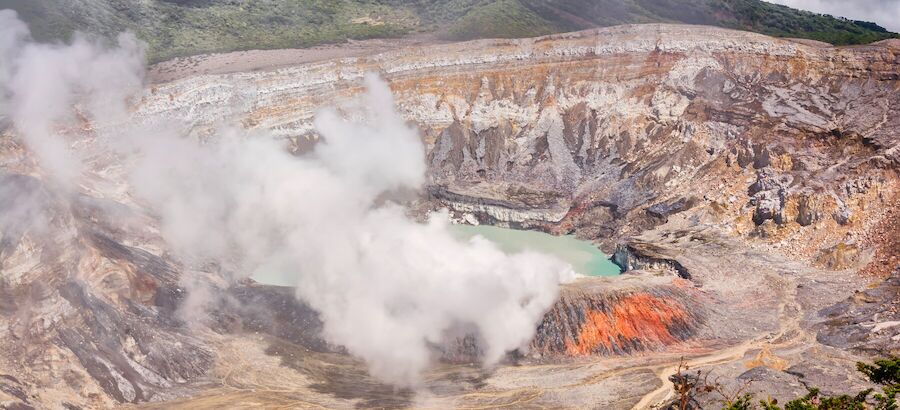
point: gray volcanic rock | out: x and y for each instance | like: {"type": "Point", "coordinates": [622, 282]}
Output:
{"type": "Point", "coordinates": [809, 210]}
{"type": "Point", "coordinates": [868, 321]}
{"type": "Point", "coordinates": [106, 311]}
{"type": "Point", "coordinates": [769, 205]}
{"type": "Point", "coordinates": [663, 210]}
{"type": "Point", "coordinates": [842, 214]}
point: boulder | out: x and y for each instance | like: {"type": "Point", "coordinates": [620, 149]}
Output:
{"type": "Point", "coordinates": [809, 210]}
{"type": "Point", "coordinates": [842, 214]}
{"type": "Point", "coordinates": [663, 210]}
{"type": "Point", "coordinates": [769, 205]}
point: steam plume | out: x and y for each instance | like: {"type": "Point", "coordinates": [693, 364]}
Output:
{"type": "Point", "coordinates": [388, 288]}
{"type": "Point", "coordinates": [44, 85]}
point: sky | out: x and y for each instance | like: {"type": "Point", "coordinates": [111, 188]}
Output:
{"type": "Point", "coordinates": [884, 12]}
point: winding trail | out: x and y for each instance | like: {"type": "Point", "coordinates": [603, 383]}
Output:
{"type": "Point", "coordinates": [789, 331]}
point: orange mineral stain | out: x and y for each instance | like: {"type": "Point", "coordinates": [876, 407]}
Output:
{"type": "Point", "coordinates": [635, 318]}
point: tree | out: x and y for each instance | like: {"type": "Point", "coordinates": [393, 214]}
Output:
{"type": "Point", "coordinates": [884, 372]}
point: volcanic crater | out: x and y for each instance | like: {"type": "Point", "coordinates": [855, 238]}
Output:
{"type": "Point", "coordinates": [741, 182]}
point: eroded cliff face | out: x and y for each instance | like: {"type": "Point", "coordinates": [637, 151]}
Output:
{"type": "Point", "coordinates": [738, 172]}
{"type": "Point", "coordinates": [88, 317]}
{"type": "Point", "coordinates": [618, 127]}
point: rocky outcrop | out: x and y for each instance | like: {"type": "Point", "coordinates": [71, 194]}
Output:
{"type": "Point", "coordinates": [663, 210]}
{"type": "Point", "coordinates": [768, 194]}
{"type": "Point", "coordinates": [85, 309]}
{"type": "Point", "coordinates": [868, 321]}
{"type": "Point", "coordinates": [638, 256]}
{"type": "Point", "coordinates": [838, 257]}
{"type": "Point", "coordinates": [271, 310]}
{"type": "Point", "coordinates": [617, 322]}
{"type": "Point", "coordinates": [515, 206]}
{"type": "Point", "coordinates": [809, 210]}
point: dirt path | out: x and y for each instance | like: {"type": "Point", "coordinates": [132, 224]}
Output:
{"type": "Point", "coordinates": [789, 333]}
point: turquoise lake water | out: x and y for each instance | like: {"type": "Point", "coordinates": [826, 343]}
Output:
{"type": "Point", "coordinates": [584, 257]}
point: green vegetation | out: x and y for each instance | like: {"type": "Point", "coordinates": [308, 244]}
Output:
{"type": "Point", "coordinates": [883, 372]}
{"type": "Point", "coordinates": [783, 21]}
{"type": "Point", "coordinates": [500, 19]}
{"type": "Point", "coordinates": [185, 27]}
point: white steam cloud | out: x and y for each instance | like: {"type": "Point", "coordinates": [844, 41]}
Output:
{"type": "Point", "coordinates": [388, 288]}
{"type": "Point", "coordinates": [45, 85]}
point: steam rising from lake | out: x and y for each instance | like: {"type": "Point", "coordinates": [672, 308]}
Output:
{"type": "Point", "coordinates": [388, 288]}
